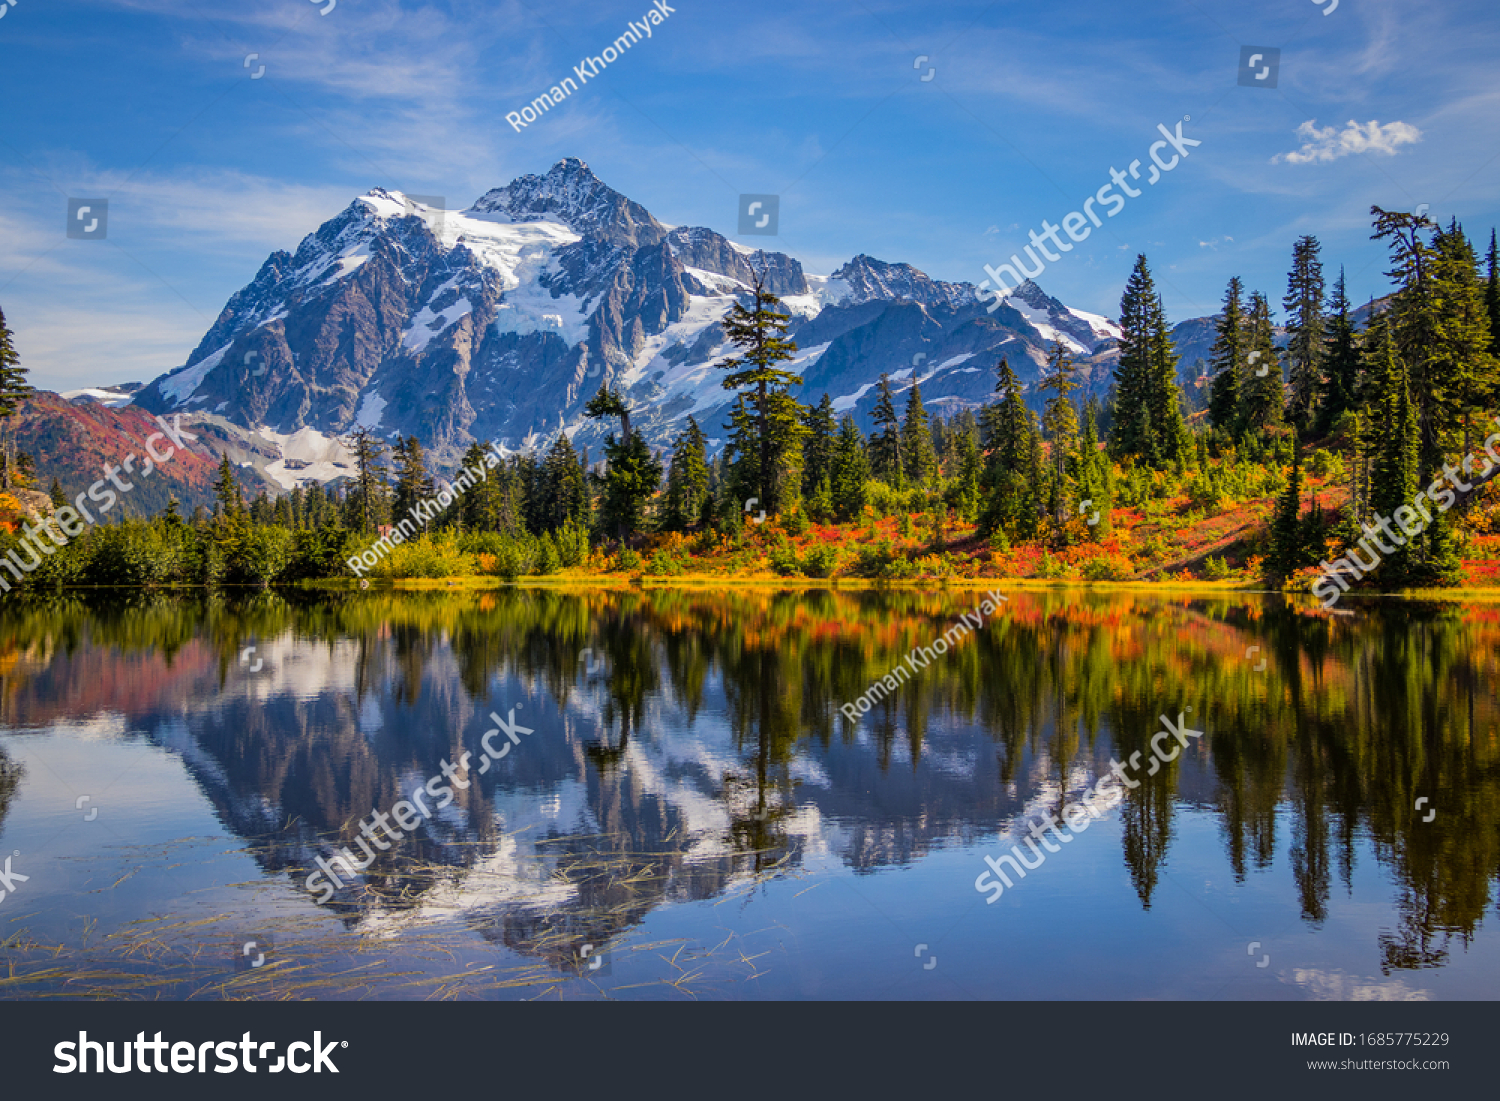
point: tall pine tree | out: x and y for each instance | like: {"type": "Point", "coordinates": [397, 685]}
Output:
{"type": "Point", "coordinates": [919, 460]}
{"type": "Point", "coordinates": [413, 483]}
{"type": "Point", "coordinates": [1340, 360]}
{"type": "Point", "coordinates": [1148, 424]}
{"type": "Point", "coordinates": [817, 458]}
{"type": "Point", "coordinates": [1263, 402]}
{"type": "Point", "coordinates": [850, 472]}
{"type": "Point", "coordinates": [1227, 359]}
{"type": "Point", "coordinates": [687, 479]}
{"type": "Point", "coordinates": [14, 389]}
{"type": "Point", "coordinates": [1304, 348]}
{"type": "Point", "coordinates": [1060, 426]}
{"type": "Point", "coordinates": [760, 334]}
{"type": "Point", "coordinates": [886, 461]}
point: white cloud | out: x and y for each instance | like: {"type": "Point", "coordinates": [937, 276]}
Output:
{"type": "Point", "coordinates": [1330, 143]}
{"type": "Point", "coordinates": [1336, 986]}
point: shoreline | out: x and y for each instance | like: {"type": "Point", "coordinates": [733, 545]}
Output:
{"type": "Point", "coordinates": [611, 582]}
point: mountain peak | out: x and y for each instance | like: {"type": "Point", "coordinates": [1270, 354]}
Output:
{"type": "Point", "coordinates": [869, 278]}
{"type": "Point", "coordinates": [571, 193]}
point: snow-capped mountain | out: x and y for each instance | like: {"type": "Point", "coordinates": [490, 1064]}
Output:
{"type": "Point", "coordinates": [500, 321]}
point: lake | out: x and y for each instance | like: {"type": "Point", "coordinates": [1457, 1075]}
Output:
{"type": "Point", "coordinates": [663, 797]}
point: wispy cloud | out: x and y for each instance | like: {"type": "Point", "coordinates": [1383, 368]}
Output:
{"type": "Point", "coordinates": [1330, 143]}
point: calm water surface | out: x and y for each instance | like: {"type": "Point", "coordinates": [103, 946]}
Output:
{"type": "Point", "coordinates": [692, 816]}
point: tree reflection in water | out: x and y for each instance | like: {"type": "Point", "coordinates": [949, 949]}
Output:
{"type": "Point", "coordinates": [702, 745]}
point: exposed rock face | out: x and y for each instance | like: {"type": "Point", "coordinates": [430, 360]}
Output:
{"type": "Point", "coordinates": [500, 321]}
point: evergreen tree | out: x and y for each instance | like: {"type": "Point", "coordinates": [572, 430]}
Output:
{"type": "Point", "coordinates": [1263, 401]}
{"type": "Point", "coordinates": [1492, 297]}
{"type": "Point", "coordinates": [687, 479]}
{"type": "Point", "coordinates": [561, 494]}
{"type": "Point", "coordinates": [850, 472]}
{"type": "Point", "coordinates": [1286, 526]}
{"type": "Point", "coordinates": [886, 460]}
{"type": "Point", "coordinates": [316, 511]}
{"type": "Point", "coordinates": [817, 465]}
{"type": "Point", "coordinates": [944, 439]}
{"type": "Point", "coordinates": [1227, 358]}
{"type": "Point", "coordinates": [609, 402]}
{"type": "Point", "coordinates": [919, 460]}
{"type": "Point", "coordinates": [480, 507]}
{"type": "Point", "coordinates": [1060, 427]}
{"type": "Point", "coordinates": [1008, 423]}
{"type": "Point", "coordinates": [742, 453]}
{"type": "Point", "coordinates": [14, 389]}
{"type": "Point", "coordinates": [1340, 361]}
{"type": "Point", "coordinates": [55, 492]}
{"type": "Point", "coordinates": [368, 499]}
{"type": "Point", "coordinates": [1413, 325]}
{"type": "Point", "coordinates": [227, 491]}
{"type": "Point", "coordinates": [1148, 422]}
{"type": "Point", "coordinates": [633, 478]}
{"type": "Point", "coordinates": [760, 333]}
{"type": "Point", "coordinates": [1461, 330]}
{"type": "Point", "coordinates": [1393, 481]}
{"type": "Point", "coordinates": [1014, 481]}
{"type": "Point", "coordinates": [817, 449]}
{"type": "Point", "coordinates": [1094, 477]}
{"type": "Point", "coordinates": [1304, 349]}
{"type": "Point", "coordinates": [634, 471]}
{"type": "Point", "coordinates": [413, 483]}
{"type": "Point", "coordinates": [967, 490]}
{"type": "Point", "coordinates": [1034, 492]}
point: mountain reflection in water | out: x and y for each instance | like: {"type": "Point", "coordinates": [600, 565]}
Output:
{"type": "Point", "coordinates": [689, 743]}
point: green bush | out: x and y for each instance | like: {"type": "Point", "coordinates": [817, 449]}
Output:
{"type": "Point", "coordinates": [821, 560]}
{"type": "Point", "coordinates": [1215, 568]}
{"type": "Point", "coordinates": [572, 544]}
{"type": "Point", "coordinates": [319, 554]}
{"type": "Point", "coordinates": [628, 561]}
{"type": "Point", "coordinates": [666, 564]}
{"type": "Point", "coordinates": [1325, 464]}
{"type": "Point", "coordinates": [784, 559]}
{"type": "Point", "coordinates": [548, 561]}
{"type": "Point", "coordinates": [882, 560]}
{"type": "Point", "coordinates": [1105, 569]}
{"type": "Point", "coordinates": [427, 556]}
{"type": "Point", "coordinates": [893, 502]}
{"type": "Point", "coordinates": [1050, 567]}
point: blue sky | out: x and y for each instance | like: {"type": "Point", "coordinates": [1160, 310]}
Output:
{"type": "Point", "coordinates": [151, 104]}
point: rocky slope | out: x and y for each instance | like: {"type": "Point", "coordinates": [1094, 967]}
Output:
{"type": "Point", "coordinates": [498, 322]}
